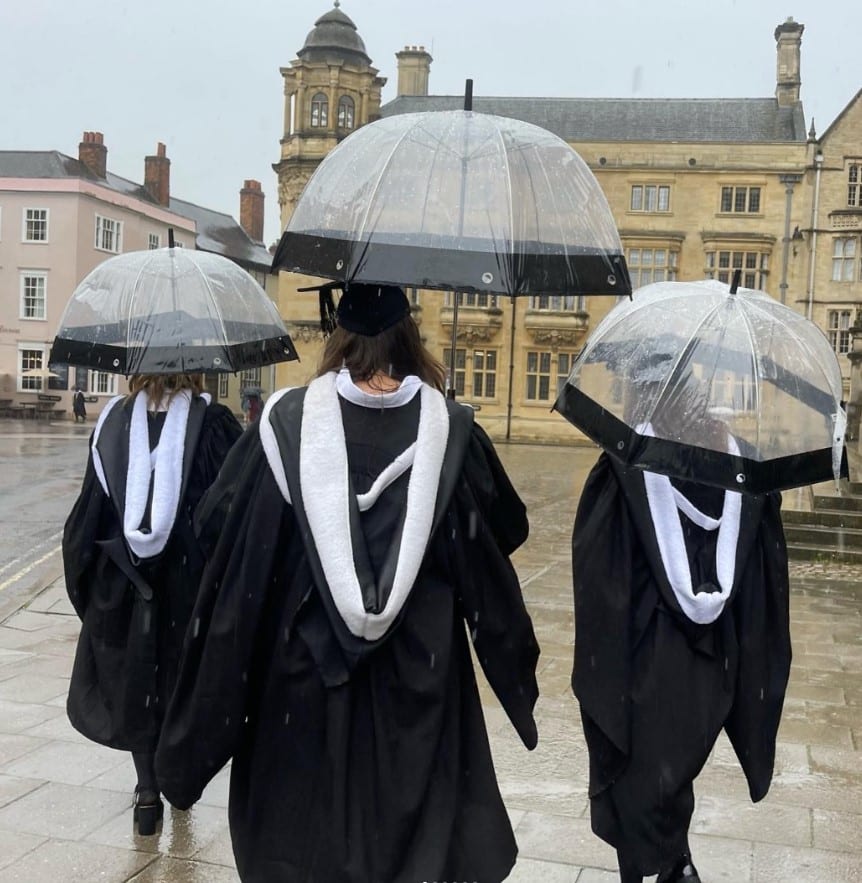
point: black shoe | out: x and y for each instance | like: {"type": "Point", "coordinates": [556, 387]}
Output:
{"type": "Point", "coordinates": [148, 812]}
{"type": "Point", "coordinates": [683, 871]}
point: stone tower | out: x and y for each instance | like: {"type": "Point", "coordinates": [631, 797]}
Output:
{"type": "Point", "coordinates": [330, 89]}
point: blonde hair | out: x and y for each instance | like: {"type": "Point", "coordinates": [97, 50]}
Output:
{"type": "Point", "coordinates": [157, 386]}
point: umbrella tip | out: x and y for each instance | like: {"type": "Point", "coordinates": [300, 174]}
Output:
{"type": "Point", "coordinates": [468, 95]}
{"type": "Point", "coordinates": [737, 276]}
{"type": "Point", "coordinates": [170, 237]}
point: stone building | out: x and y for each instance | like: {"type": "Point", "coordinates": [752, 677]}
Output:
{"type": "Point", "coordinates": [698, 188]}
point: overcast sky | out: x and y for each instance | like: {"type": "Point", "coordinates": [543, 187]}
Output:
{"type": "Point", "coordinates": [203, 77]}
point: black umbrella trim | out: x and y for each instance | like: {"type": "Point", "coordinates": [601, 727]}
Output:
{"type": "Point", "coordinates": [226, 359]}
{"type": "Point", "coordinates": [688, 461]}
{"type": "Point", "coordinates": [456, 264]}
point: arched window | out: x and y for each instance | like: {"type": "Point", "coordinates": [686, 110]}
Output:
{"type": "Point", "coordinates": [345, 112]}
{"type": "Point", "coordinates": [319, 111]}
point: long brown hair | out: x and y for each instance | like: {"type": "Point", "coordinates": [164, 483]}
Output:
{"type": "Point", "coordinates": [158, 386]}
{"type": "Point", "coordinates": [396, 351]}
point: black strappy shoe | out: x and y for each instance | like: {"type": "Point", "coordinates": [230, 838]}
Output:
{"type": "Point", "coordinates": [148, 812]}
{"type": "Point", "coordinates": [683, 871]}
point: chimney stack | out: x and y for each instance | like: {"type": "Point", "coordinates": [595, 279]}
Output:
{"type": "Point", "coordinates": [788, 37]}
{"type": "Point", "coordinates": [93, 154]}
{"type": "Point", "coordinates": [414, 68]}
{"type": "Point", "coordinates": [251, 200]}
{"type": "Point", "coordinates": [157, 176]}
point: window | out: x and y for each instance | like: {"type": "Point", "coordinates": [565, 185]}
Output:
{"type": "Point", "coordinates": [35, 225]}
{"type": "Point", "coordinates": [249, 377]}
{"type": "Point", "coordinates": [108, 234]}
{"type": "Point", "coordinates": [538, 377]}
{"type": "Point", "coordinates": [740, 200]}
{"type": "Point", "coordinates": [319, 111]}
{"type": "Point", "coordinates": [838, 330]}
{"type": "Point", "coordinates": [222, 386]}
{"type": "Point", "coordinates": [412, 296]}
{"type": "Point", "coordinates": [460, 369]}
{"type": "Point", "coordinates": [564, 368]}
{"type": "Point", "coordinates": [345, 112]}
{"type": "Point", "coordinates": [103, 383]}
{"type": "Point", "coordinates": [561, 303]}
{"type": "Point", "coordinates": [648, 265]}
{"type": "Point", "coordinates": [754, 265]}
{"type": "Point", "coordinates": [650, 198]}
{"type": "Point", "coordinates": [31, 362]}
{"type": "Point", "coordinates": [484, 374]}
{"type": "Point", "coordinates": [854, 186]}
{"type": "Point", "coordinates": [844, 259]}
{"type": "Point", "coordinates": [154, 240]}
{"type": "Point", "coordinates": [33, 289]}
{"type": "Point", "coordinates": [471, 299]}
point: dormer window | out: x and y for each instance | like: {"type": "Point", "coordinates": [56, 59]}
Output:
{"type": "Point", "coordinates": [319, 111]}
{"type": "Point", "coordinates": [345, 112]}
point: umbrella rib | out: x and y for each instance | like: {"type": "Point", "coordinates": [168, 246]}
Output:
{"type": "Point", "coordinates": [213, 300]}
{"type": "Point", "coordinates": [131, 299]}
{"type": "Point", "coordinates": [755, 371]}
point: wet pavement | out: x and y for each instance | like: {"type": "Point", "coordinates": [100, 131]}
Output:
{"type": "Point", "coordinates": [65, 803]}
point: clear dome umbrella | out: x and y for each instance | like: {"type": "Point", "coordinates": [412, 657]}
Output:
{"type": "Point", "coordinates": [170, 310]}
{"type": "Point", "coordinates": [700, 381]}
{"type": "Point", "coordinates": [460, 201]}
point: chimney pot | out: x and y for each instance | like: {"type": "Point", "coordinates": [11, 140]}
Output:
{"type": "Point", "coordinates": [93, 154]}
{"type": "Point", "coordinates": [251, 208]}
{"type": "Point", "coordinates": [157, 176]}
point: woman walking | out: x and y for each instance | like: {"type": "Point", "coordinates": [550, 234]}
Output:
{"type": "Point", "coordinates": [132, 563]}
{"type": "Point", "coordinates": [359, 531]}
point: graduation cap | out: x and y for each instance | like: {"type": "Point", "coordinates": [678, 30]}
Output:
{"type": "Point", "coordinates": [363, 308]}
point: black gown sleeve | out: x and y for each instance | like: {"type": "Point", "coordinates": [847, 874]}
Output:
{"type": "Point", "coordinates": [488, 522]}
{"type": "Point", "coordinates": [243, 523]}
{"type": "Point", "coordinates": [84, 525]}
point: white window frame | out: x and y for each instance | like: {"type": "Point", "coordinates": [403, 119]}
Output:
{"type": "Point", "coordinates": [854, 184]}
{"type": "Point", "coordinates": [249, 377]}
{"type": "Point", "coordinates": [650, 198]}
{"type": "Point", "coordinates": [223, 385]}
{"type": "Point", "coordinates": [154, 241]}
{"type": "Point", "coordinates": [46, 221]}
{"type": "Point", "coordinates": [460, 378]}
{"type": "Point", "coordinates": [721, 262]}
{"type": "Point", "coordinates": [745, 191]}
{"type": "Point", "coordinates": [838, 330]}
{"type": "Point", "coordinates": [346, 112]}
{"type": "Point", "coordinates": [41, 275]}
{"type": "Point", "coordinates": [845, 254]}
{"type": "Point", "coordinates": [483, 381]}
{"type": "Point", "coordinates": [558, 303]}
{"type": "Point", "coordinates": [100, 231]}
{"type": "Point", "coordinates": [319, 110]}
{"type": "Point", "coordinates": [102, 383]}
{"type": "Point", "coordinates": [33, 383]}
{"type": "Point", "coordinates": [477, 299]}
{"type": "Point", "coordinates": [647, 264]}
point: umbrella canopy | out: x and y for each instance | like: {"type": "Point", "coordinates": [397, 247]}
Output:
{"type": "Point", "coordinates": [728, 388]}
{"type": "Point", "coordinates": [456, 200]}
{"type": "Point", "coordinates": [170, 310]}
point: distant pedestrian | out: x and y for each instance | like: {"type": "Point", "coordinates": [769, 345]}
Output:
{"type": "Point", "coordinates": [132, 563]}
{"type": "Point", "coordinates": [79, 409]}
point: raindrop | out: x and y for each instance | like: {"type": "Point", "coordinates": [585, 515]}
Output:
{"type": "Point", "coordinates": [473, 522]}
{"type": "Point", "coordinates": [227, 721]}
{"type": "Point", "coordinates": [197, 627]}
{"type": "Point", "coordinates": [433, 659]}
{"type": "Point", "coordinates": [287, 719]}
{"type": "Point", "coordinates": [245, 677]}
{"type": "Point", "coordinates": [473, 634]}
{"type": "Point", "coordinates": [147, 701]}
{"type": "Point", "coordinates": [761, 694]}
{"type": "Point", "coordinates": [185, 558]}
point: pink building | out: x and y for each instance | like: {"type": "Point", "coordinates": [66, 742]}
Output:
{"type": "Point", "coordinates": [59, 218]}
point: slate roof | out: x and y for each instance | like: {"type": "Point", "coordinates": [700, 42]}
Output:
{"type": "Point", "coordinates": [738, 120]}
{"type": "Point", "coordinates": [216, 232]}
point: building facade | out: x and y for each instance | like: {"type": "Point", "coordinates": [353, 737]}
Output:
{"type": "Point", "coordinates": [698, 188]}
{"type": "Point", "coordinates": [59, 218]}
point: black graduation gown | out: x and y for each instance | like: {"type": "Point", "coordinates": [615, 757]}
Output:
{"type": "Point", "coordinates": [655, 689]}
{"type": "Point", "coordinates": [354, 762]}
{"type": "Point", "coordinates": [134, 616]}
